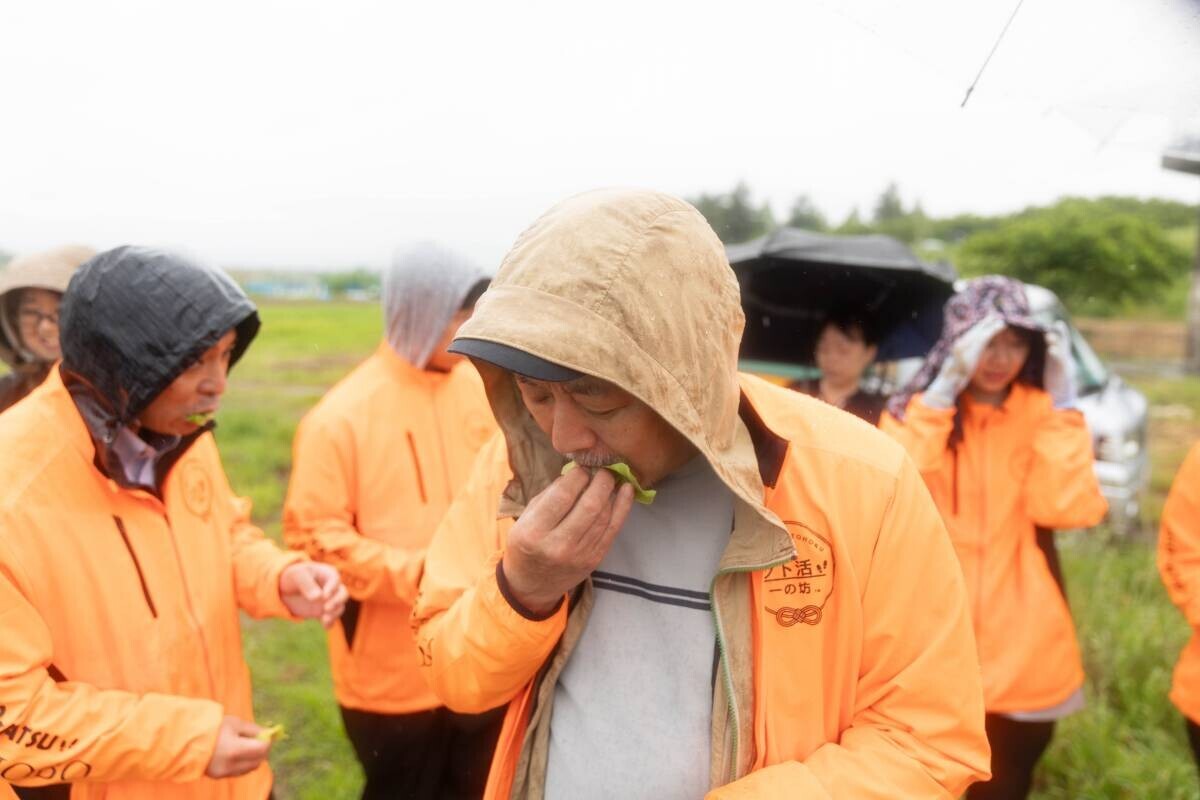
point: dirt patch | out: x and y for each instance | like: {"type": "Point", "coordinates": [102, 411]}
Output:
{"type": "Point", "coordinates": [1124, 339]}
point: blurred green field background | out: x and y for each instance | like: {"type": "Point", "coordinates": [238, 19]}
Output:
{"type": "Point", "coordinates": [1128, 743]}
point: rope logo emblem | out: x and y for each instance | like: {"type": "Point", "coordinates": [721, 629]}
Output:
{"type": "Point", "coordinates": [806, 580]}
{"type": "Point", "coordinates": [788, 616]}
{"type": "Point", "coordinates": [197, 490]}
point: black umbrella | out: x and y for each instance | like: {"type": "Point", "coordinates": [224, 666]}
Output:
{"type": "Point", "coordinates": [791, 279]}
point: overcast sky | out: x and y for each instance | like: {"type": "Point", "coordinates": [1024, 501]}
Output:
{"type": "Point", "coordinates": [320, 134]}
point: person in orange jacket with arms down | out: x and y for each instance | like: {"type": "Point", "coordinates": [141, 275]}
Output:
{"type": "Point", "coordinates": [376, 464]}
{"type": "Point", "coordinates": [31, 288]}
{"type": "Point", "coordinates": [990, 421]}
{"type": "Point", "coordinates": [784, 617]}
{"type": "Point", "coordinates": [125, 556]}
{"type": "Point", "coordinates": [1179, 566]}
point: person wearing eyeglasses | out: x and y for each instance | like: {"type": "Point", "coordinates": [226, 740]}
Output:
{"type": "Point", "coordinates": [31, 287]}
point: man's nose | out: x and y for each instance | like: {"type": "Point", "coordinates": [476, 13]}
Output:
{"type": "Point", "coordinates": [215, 380]}
{"type": "Point", "coordinates": [570, 433]}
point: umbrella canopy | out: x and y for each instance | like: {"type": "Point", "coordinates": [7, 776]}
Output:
{"type": "Point", "coordinates": [791, 279]}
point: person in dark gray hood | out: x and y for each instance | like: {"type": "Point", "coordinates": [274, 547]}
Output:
{"type": "Point", "coordinates": [125, 557]}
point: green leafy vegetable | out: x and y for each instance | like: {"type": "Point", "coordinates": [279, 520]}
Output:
{"type": "Point", "coordinates": [199, 418]}
{"type": "Point", "coordinates": [271, 733]}
{"type": "Point", "coordinates": [624, 475]}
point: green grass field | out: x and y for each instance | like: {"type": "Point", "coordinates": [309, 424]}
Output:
{"type": "Point", "coordinates": [302, 350]}
{"type": "Point", "coordinates": [1128, 743]}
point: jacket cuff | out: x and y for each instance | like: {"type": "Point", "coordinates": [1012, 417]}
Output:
{"type": "Point", "coordinates": [922, 406]}
{"type": "Point", "coordinates": [210, 717]}
{"type": "Point", "coordinates": [273, 600]}
{"type": "Point", "coordinates": [516, 605]}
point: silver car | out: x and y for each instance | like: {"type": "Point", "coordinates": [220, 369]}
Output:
{"type": "Point", "coordinates": [1116, 414]}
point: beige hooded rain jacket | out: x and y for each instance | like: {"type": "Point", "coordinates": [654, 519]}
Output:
{"type": "Point", "coordinates": [868, 687]}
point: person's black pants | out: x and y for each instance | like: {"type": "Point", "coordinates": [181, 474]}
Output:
{"type": "Point", "coordinates": [429, 755]}
{"type": "Point", "coordinates": [1016, 749]}
{"type": "Point", "coordinates": [1193, 734]}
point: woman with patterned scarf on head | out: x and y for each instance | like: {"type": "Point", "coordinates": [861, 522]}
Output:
{"type": "Point", "coordinates": [990, 421]}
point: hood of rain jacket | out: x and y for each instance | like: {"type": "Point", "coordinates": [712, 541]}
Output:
{"type": "Point", "coordinates": [422, 289]}
{"type": "Point", "coordinates": [649, 304]}
{"type": "Point", "coordinates": [132, 320]}
{"type": "Point", "coordinates": [49, 269]}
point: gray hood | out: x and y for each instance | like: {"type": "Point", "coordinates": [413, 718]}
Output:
{"type": "Point", "coordinates": [423, 287]}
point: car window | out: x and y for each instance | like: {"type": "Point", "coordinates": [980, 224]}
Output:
{"type": "Point", "coordinates": [1090, 371]}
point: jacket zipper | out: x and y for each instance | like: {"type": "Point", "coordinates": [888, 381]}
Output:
{"type": "Point", "coordinates": [191, 611]}
{"type": "Point", "coordinates": [136, 565]}
{"type": "Point", "coordinates": [983, 517]}
{"type": "Point", "coordinates": [954, 482]}
{"type": "Point", "coordinates": [441, 437]}
{"type": "Point", "coordinates": [725, 671]}
{"type": "Point", "coordinates": [412, 448]}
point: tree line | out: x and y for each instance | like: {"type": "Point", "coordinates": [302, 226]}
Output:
{"type": "Point", "coordinates": [1099, 255]}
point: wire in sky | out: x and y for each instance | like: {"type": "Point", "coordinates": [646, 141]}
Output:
{"type": "Point", "coordinates": [999, 38]}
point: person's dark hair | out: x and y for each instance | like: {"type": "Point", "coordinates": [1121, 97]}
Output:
{"type": "Point", "coordinates": [852, 323]}
{"type": "Point", "coordinates": [473, 294]}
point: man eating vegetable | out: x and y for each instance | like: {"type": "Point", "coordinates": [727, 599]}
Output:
{"type": "Point", "coordinates": [125, 556]}
{"type": "Point", "coordinates": [784, 617]}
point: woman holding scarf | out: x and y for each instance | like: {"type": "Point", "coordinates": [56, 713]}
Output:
{"type": "Point", "coordinates": [990, 421]}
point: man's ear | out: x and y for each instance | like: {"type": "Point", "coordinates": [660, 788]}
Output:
{"type": "Point", "coordinates": [872, 351]}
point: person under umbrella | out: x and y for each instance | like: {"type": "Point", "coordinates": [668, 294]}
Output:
{"type": "Point", "coordinates": [990, 421]}
{"type": "Point", "coordinates": [845, 347]}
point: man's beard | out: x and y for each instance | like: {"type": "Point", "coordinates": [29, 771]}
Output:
{"type": "Point", "coordinates": [594, 459]}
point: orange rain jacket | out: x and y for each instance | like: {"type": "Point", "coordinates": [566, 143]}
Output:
{"type": "Point", "coordinates": [848, 667]}
{"type": "Point", "coordinates": [1179, 565]}
{"type": "Point", "coordinates": [375, 467]}
{"type": "Point", "coordinates": [1018, 467]}
{"type": "Point", "coordinates": [121, 649]}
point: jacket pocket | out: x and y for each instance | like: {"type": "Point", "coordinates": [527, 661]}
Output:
{"type": "Point", "coordinates": [136, 565]}
{"type": "Point", "coordinates": [350, 621]}
{"type": "Point", "coordinates": [57, 791]}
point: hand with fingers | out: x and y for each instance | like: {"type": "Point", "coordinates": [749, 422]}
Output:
{"type": "Point", "coordinates": [961, 362]}
{"type": "Point", "coordinates": [239, 750]}
{"type": "Point", "coordinates": [563, 536]}
{"type": "Point", "coordinates": [311, 590]}
{"type": "Point", "coordinates": [1058, 378]}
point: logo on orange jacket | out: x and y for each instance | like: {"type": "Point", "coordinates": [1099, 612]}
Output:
{"type": "Point", "coordinates": [197, 489]}
{"type": "Point", "coordinates": [796, 592]}
{"type": "Point", "coordinates": [41, 746]}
